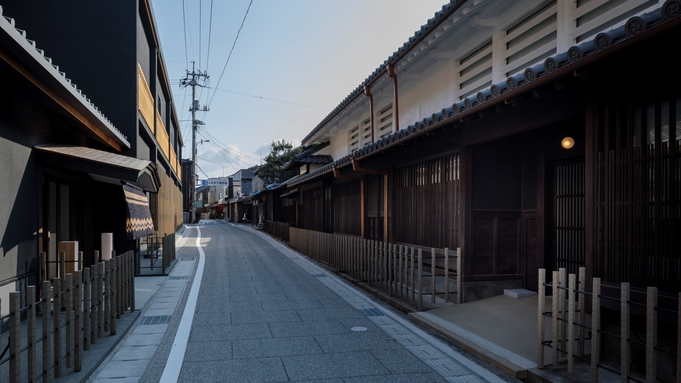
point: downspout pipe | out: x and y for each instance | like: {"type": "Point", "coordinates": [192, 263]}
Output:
{"type": "Point", "coordinates": [357, 168]}
{"type": "Point", "coordinates": [367, 91]}
{"type": "Point", "coordinates": [396, 109]}
{"type": "Point", "coordinates": [336, 174]}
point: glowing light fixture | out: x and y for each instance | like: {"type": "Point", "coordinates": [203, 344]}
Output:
{"type": "Point", "coordinates": [568, 142]}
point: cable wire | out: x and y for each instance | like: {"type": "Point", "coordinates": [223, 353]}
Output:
{"type": "Point", "coordinates": [231, 50]}
{"type": "Point", "coordinates": [184, 26]}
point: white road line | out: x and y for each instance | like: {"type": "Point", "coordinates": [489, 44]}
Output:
{"type": "Point", "coordinates": [171, 372]}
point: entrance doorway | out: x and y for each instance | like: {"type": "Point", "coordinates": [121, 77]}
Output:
{"type": "Point", "coordinates": [565, 224]}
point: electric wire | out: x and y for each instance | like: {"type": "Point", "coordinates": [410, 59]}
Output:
{"type": "Point", "coordinates": [184, 26]}
{"type": "Point", "coordinates": [273, 99]}
{"type": "Point", "coordinates": [226, 152]}
{"type": "Point", "coordinates": [200, 29]}
{"type": "Point", "coordinates": [210, 32]}
{"type": "Point", "coordinates": [227, 148]}
{"type": "Point", "coordinates": [230, 51]}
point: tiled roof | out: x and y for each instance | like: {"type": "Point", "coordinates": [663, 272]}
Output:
{"type": "Point", "coordinates": [308, 159]}
{"type": "Point", "coordinates": [19, 36]}
{"type": "Point", "coordinates": [553, 66]}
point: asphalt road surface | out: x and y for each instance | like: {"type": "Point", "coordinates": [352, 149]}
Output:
{"type": "Point", "coordinates": [253, 310]}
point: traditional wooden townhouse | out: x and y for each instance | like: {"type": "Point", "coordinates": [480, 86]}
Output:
{"type": "Point", "coordinates": [531, 134]}
{"type": "Point", "coordinates": [80, 160]}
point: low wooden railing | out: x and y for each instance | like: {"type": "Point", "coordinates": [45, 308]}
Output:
{"type": "Point", "coordinates": [277, 229]}
{"type": "Point", "coordinates": [400, 270]}
{"type": "Point", "coordinates": [569, 324]}
{"type": "Point", "coordinates": [75, 310]}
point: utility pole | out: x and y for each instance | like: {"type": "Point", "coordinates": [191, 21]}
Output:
{"type": "Point", "coordinates": [191, 79]}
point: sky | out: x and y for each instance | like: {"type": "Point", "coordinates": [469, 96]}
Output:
{"type": "Point", "coordinates": [293, 62]}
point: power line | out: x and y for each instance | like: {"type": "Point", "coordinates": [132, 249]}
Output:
{"type": "Point", "coordinates": [210, 32]}
{"type": "Point", "coordinates": [227, 148]}
{"type": "Point", "coordinates": [184, 25]}
{"type": "Point", "coordinates": [224, 151]}
{"type": "Point", "coordinates": [272, 99]}
{"type": "Point", "coordinates": [231, 50]}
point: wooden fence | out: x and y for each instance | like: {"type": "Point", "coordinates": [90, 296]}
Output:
{"type": "Point", "coordinates": [278, 229]}
{"type": "Point", "coordinates": [401, 270]}
{"type": "Point", "coordinates": [75, 310]}
{"type": "Point", "coordinates": [569, 324]}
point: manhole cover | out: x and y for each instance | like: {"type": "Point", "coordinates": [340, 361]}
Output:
{"type": "Point", "coordinates": [358, 328]}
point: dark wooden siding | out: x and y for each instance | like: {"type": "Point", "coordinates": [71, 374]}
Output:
{"type": "Point", "coordinates": [311, 209]}
{"type": "Point", "coordinates": [426, 208]}
{"type": "Point", "coordinates": [346, 208]}
{"type": "Point", "coordinates": [638, 192]}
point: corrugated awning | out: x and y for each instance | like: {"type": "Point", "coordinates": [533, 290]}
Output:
{"type": "Point", "coordinates": [139, 223]}
{"type": "Point", "coordinates": [103, 166]}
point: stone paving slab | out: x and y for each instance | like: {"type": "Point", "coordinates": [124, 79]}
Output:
{"type": "Point", "coordinates": [229, 332]}
{"type": "Point", "coordinates": [209, 350]}
{"type": "Point", "coordinates": [307, 328]}
{"type": "Point", "coordinates": [243, 317]}
{"type": "Point", "coordinates": [339, 365]}
{"type": "Point", "coordinates": [292, 305]}
{"type": "Point", "coordinates": [364, 341]}
{"type": "Point", "coordinates": [242, 370]}
{"type": "Point", "coordinates": [275, 347]}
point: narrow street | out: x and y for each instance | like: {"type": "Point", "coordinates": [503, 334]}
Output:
{"type": "Point", "coordinates": [263, 313]}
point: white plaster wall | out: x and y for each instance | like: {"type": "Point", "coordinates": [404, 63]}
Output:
{"type": "Point", "coordinates": [429, 95]}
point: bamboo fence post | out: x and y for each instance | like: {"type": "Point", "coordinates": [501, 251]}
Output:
{"type": "Point", "coordinates": [381, 245]}
{"type": "Point", "coordinates": [624, 331]}
{"type": "Point", "coordinates": [78, 321]}
{"type": "Point", "coordinates": [68, 317]}
{"type": "Point", "coordinates": [98, 301]}
{"type": "Point", "coordinates": [678, 341]}
{"type": "Point", "coordinates": [433, 275]}
{"type": "Point", "coordinates": [102, 315]}
{"type": "Point", "coordinates": [80, 260]}
{"type": "Point", "coordinates": [459, 276]}
{"type": "Point", "coordinates": [571, 323]}
{"type": "Point", "coordinates": [595, 329]}
{"type": "Point", "coordinates": [56, 313]}
{"type": "Point", "coordinates": [582, 309]}
{"type": "Point", "coordinates": [31, 325]}
{"type": "Point", "coordinates": [91, 305]}
{"type": "Point", "coordinates": [420, 279]}
{"type": "Point", "coordinates": [45, 308]}
{"type": "Point", "coordinates": [113, 296]}
{"type": "Point", "coordinates": [554, 317]}
{"type": "Point", "coordinates": [391, 265]}
{"type": "Point", "coordinates": [446, 275]}
{"type": "Point", "coordinates": [398, 269]}
{"type": "Point", "coordinates": [562, 293]}
{"type": "Point", "coordinates": [62, 273]}
{"type": "Point", "coordinates": [651, 334]}
{"type": "Point", "coordinates": [87, 311]}
{"type": "Point", "coordinates": [106, 299]}
{"type": "Point", "coordinates": [541, 320]}
{"type": "Point", "coordinates": [413, 271]}
{"type": "Point", "coordinates": [15, 336]}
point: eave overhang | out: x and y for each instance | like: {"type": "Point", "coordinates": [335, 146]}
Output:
{"type": "Point", "coordinates": [572, 62]}
{"type": "Point", "coordinates": [29, 61]}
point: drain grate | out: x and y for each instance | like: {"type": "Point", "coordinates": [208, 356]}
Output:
{"type": "Point", "coordinates": [155, 319]}
{"type": "Point", "coordinates": [179, 277]}
{"type": "Point", "coordinates": [371, 312]}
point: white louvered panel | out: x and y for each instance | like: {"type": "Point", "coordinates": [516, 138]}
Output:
{"type": "Point", "coordinates": [548, 29]}
{"type": "Point", "coordinates": [543, 15]}
{"type": "Point", "coordinates": [475, 87]}
{"type": "Point", "coordinates": [366, 132]}
{"type": "Point", "coordinates": [521, 48]}
{"type": "Point", "coordinates": [476, 69]}
{"type": "Point", "coordinates": [601, 17]}
{"type": "Point", "coordinates": [353, 139]}
{"type": "Point", "coordinates": [472, 60]}
{"type": "Point", "coordinates": [537, 54]}
{"type": "Point", "coordinates": [384, 121]}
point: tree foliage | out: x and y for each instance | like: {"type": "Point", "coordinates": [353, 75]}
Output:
{"type": "Point", "coordinates": [281, 152]}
